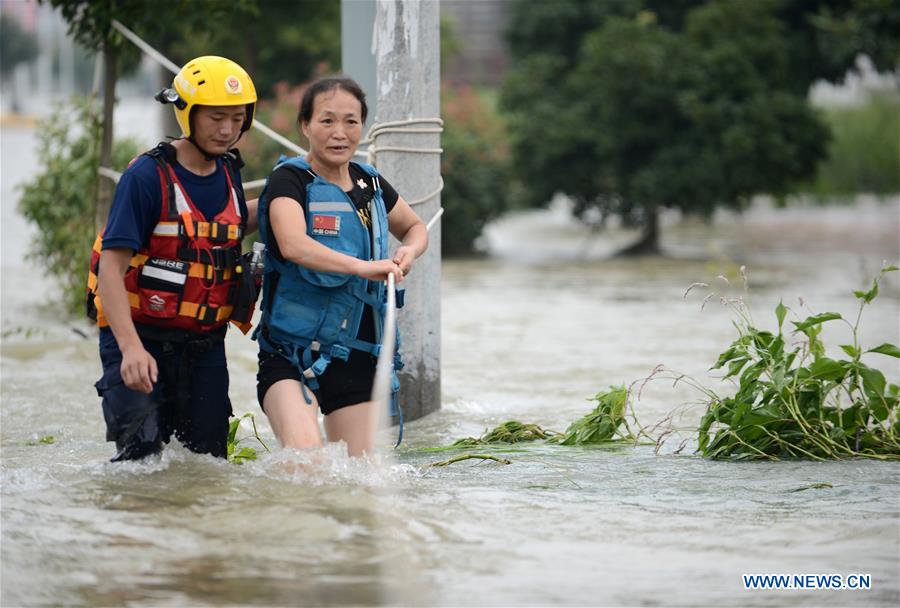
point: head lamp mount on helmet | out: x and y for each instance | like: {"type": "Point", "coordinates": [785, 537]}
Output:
{"type": "Point", "coordinates": [171, 96]}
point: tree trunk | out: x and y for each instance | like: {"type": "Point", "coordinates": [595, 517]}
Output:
{"type": "Point", "coordinates": [648, 244]}
{"type": "Point", "coordinates": [105, 186]}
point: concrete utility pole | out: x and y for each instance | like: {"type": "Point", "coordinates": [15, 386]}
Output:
{"type": "Point", "coordinates": [405, 49]}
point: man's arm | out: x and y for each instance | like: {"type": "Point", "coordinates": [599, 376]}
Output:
{"type": "Point", "coordinates": [139, 371]}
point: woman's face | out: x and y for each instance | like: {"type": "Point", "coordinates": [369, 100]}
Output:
{"type": "Point", "coordinates": [335, 128]}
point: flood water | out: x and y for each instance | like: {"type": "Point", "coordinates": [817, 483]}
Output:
{"type": "Point", "coordinates": [529, 333]}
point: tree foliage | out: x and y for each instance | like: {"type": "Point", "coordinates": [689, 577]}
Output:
{"type": "Point", "coordinates": [629, 105]}
{"type": "Point", "coordinates": [273, 40]}
{"type": "Point", "coordinates": [60, 200]}
{"type": "Point", "coordinates": [474, 167]}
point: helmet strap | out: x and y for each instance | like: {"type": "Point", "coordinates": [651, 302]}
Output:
{"type": "Point", "coordinates": [205, 154]}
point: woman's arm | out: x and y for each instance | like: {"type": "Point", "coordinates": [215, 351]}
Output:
{"type": "Point", "coordinates": [289, 226]}
{"type": "Point", "coordinates": [406, 226]}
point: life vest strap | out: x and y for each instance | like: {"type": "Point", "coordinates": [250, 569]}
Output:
{"type": "Point", "coordinates": [219, 257]}
{"type": "Point", "coordinates": [217, 232]}
{"type": "Point", "coordinates": [206, 315]}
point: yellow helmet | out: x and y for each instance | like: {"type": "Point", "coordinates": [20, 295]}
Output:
{"type": "Point", "coordinates": [209, 81]}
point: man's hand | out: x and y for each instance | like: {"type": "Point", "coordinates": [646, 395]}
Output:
{"type": "Point", "coordinates": [138, 369]}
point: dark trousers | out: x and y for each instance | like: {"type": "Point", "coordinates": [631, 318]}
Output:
{"type": "Point", "coordinates": [189, 399]}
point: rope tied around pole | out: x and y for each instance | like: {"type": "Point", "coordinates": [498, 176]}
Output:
{"type": "Point", "coordinates": [409, 126]}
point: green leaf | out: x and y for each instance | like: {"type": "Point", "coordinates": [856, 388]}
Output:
{"type": "Point", "coordinates": [827, 369]}
{"type": "Point", "coordinates": [890, 268]}
{"type": "Point", "coordinates": [735, 367]}
{"type": "Point", "coordinates": [868, 296]}
{"type": "Point", "coordinates": [780, 313]}
{"type": "Point", "coordinates": [850, 350]}
{"type": "Point", "coordinates": [873, 382]}
{"type": "Point", "coordinates": [233, 429]}
{"type": "Point", "coordinates": [886, 349]}
{"type": "Point", "coordinates": [816, 320]}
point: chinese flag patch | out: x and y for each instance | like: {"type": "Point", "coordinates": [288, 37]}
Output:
{"type": "Point", "coordinates": [326, 224]}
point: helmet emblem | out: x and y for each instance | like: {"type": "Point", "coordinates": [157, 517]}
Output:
{"type": "Point", "coordinates": [233, 84]}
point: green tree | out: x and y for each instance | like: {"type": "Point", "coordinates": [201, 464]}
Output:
{"type": "Point", "coordinates": [631, 105]}
{"type": "Point", "coordinates": [474, 167]}
{"type": "Point", "coordinates": [274, 40]}
{"type": "Point", "coordinates": [60, 199]}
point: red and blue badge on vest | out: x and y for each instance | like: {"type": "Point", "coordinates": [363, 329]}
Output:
{"type": "Point", "coordinates": [326, 225]}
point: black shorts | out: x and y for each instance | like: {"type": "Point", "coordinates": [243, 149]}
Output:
{"type": "Point", "coordinates": [343, 383]}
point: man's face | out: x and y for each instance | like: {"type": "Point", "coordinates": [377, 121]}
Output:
{"type": "Point", "coordinates": [216, 128]}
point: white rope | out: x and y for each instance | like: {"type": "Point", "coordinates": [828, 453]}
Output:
{"type": "Point", "coordinates": [403, 126]}
{"type": "Point", "coordinates": [400, 126]}
{"type": "Point", "coordinates": [257, 183]}
{"type": "Point", "coordinates": [112, 174]}
{"type": "Point", "coordinates": [141, 44]}
{"type": "Point", "coordinates": [434, 219]}
{"type": "Point", "coordinates": [381, 388]}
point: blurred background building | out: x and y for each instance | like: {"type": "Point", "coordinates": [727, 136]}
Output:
{"type": "Point", "coordinates": [478, 26]}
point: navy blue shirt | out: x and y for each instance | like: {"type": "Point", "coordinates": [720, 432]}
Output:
{"type": "Point", "coordinates": [137, 203]}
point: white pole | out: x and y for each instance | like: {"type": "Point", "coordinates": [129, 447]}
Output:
{"type": "Point", "coordinates": [406, 46]}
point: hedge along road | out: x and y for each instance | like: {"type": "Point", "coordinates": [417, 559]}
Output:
{"type": "Point", "coordinates": [529, 333]}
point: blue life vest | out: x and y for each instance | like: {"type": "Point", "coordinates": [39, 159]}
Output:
{"type": "Point", "coordinates": [307, 312]}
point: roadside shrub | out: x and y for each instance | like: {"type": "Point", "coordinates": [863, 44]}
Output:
{"type": "Point", "coordinates": [475, 168]}
{"type": "Point", "coordinates": [61, 199]}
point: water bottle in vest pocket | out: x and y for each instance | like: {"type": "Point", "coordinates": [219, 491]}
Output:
{"type": "Point", "coordinates": [161, 286]}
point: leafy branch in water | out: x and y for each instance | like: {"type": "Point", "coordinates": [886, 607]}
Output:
{"type": "Point", "coordinates": [461, 457]}
{"type": "Point", "coordinates": [794, 401]}
{"type": "Point", "coordinates": [511, 431]}
{"type": "Point", "coordinates": [603, 425]}
{"type": "Point", "coordinates": [236, 453]}
{"type": "Point", "coordinates": [606, 423]}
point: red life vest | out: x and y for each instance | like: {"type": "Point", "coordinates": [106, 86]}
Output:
{"type": "Point", "coordinates": [187, 277]}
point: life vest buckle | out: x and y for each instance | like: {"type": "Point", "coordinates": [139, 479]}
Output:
{"type": "Point", "coordinates": [341, 352]}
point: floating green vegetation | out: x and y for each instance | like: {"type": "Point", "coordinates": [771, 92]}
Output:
{"type": "Point", "coordinates": [238, 454]}
{"type": "Point", "coordinates": [461, 457]}
{"type": "Point", "coordinates": [606, 423]}
{"type": "Point", "coordinates": [511, 431]}
{"type": "Point", "coordinates": [813, 486]}
{"type": "Point", "coordinates": [603, 425]}
{"type": "Point", "coordinates": [45, 440]}
{"type": "Point", "coordinates": [793, 400]}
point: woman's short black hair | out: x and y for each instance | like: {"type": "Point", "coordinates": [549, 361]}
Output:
{"type": "Point", "coordinates": [329, 83]}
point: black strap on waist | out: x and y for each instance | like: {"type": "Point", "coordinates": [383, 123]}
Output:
{"type": "Point", "coordinates": [219, 257]}
{"type": "Point", "coordinates": [179, 336]}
